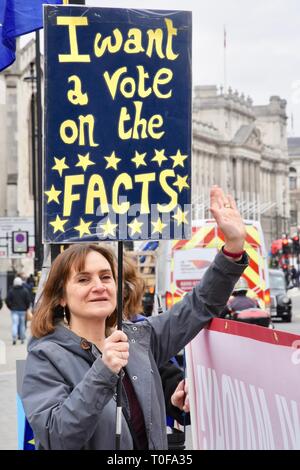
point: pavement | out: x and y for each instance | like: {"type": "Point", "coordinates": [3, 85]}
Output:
{"type": "Point", "coordinates": [8, 404]}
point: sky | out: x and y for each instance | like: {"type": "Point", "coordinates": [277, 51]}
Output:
{"type": "Point", "coordinates": [263, 46]}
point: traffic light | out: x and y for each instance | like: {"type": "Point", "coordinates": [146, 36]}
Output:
{"type": "Point", "coordinates": [296, 244]}
{"type": "Point", "coordinates": [285, 246]}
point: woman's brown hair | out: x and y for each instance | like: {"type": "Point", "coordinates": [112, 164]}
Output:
{"type": "Point", "coordinates": [49, 311]}
{"type": "Point", "coordinates": [134, 287]}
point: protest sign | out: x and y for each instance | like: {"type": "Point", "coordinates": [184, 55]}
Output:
{"type": "Point", "coordinates": [117, 123]}
{"type": "Point", "coordinates": [244, 387]}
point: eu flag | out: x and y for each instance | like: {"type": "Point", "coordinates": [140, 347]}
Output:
{"type": "Point", "coordinates": [18, 17]}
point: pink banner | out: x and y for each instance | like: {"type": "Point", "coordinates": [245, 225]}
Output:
{"type": "Point", "coordinates": [244, 387]}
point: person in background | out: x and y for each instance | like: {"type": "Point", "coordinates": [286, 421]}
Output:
{"type": "Point", "coordinates": [18, 301]}
{"type": "Point", "coordinates": [239, 300]}
{"type": "Point", "coordinates": [294, 276]}
{"type": "Point", "coordinates": [172, 377]}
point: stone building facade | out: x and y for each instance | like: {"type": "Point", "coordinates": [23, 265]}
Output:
{"type": "Point", "coordinates": [243, 148]}
{"type": "Point", "coordinates": [16, 195]}
{"type": "Point", "coordinates": [294, 180]}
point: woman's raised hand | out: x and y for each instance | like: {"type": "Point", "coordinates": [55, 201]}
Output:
{"type": "Point", "coordinates": [115, 352]}
{"type": "Point", "coordinates": [228, 218]}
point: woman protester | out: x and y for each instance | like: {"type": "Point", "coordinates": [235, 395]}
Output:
{"type": "Point", "coordinates": [71, 372]}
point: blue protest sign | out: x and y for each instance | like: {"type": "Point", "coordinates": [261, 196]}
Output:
{"type": "Point", "coordinates": [117, 124]}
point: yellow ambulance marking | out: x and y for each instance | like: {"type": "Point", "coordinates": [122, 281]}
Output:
{"type": "Point", "coordinates": [253, 254]}
{"type": "Point", "coordinates": [199, 235]}
{"type": "Point", "coordinates": [253, 233]}
{"type": "Point", "coordinates": [215, 243]}
{"type": "Point", "coordinates": [254, 276]}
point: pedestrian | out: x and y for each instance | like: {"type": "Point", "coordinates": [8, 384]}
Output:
{"type": "Point", "coordinates": [28, 315]}
{"type": "Point", "coordinates": [72, 366]}
{"type": "Point", "coordinates": [286, 272]}
{"type": "Point", "coordinates": [18, 301]}
{"type": "Point", "coordinates": [294, 276]}
{"type": "Point", "coordinates": [239, 300]}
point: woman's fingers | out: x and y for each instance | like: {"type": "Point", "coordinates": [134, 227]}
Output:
{"type": "Point", "coordinates": [115, 353]}
{"type": "Point", "coordinates": [186, 406]}
{"type": "Point", "coordinates": [215, 200]}
{"type": "Point", "coordinates": [232, 202]}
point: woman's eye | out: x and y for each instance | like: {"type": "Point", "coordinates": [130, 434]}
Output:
{"type": "Point", "coordinates": [82, 279]}
{"type": "Point", "coordinates": [106, 278]}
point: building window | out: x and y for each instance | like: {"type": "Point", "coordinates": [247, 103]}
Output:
{"type": "Point", "coordinates": [293, 179]}
{"type": "Point", "coordinates": [293, 218]}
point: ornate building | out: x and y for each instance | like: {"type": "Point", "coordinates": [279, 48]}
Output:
{"type": "Point", "coordinates": [294, 179]}
{"type": "Point", "coordinates": [16, 191]}
{"type": "Point", "coordinates": [243, 148]}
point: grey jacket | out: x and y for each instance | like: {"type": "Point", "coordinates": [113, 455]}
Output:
{"type": "Point", "coordinates": [69, 394]}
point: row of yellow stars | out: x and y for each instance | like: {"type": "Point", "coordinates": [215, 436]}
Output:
{"type": "Point", "coordinates": [109, 228]}
{"type": "Point", "coordinates": [52, 194]}
{"type": "Point", "coordinates": [113, 161]}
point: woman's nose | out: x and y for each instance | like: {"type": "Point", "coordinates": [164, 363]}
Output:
{"type": "Point", "coordinates": [98, 284]}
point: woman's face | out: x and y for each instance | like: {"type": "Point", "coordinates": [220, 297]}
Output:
{"type": "Point", "coordinates": [91, 294]}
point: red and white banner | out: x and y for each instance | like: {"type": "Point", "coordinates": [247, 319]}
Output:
{"type": "Point", "coordinates": [244, 387]}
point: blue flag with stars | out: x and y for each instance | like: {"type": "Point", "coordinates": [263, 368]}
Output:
{"type": "Point", "coordinates": [117, 124]}
{"type": "Point", "coordinates": [18, 17]}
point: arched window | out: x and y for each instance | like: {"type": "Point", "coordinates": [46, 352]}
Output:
{"type": "Point", "coordinates": [293, 178]}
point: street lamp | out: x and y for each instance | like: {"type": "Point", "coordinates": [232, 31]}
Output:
{"type": "Point", "coordinates": [32, 79]}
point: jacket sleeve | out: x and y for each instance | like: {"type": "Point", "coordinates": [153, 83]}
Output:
{"type": "Point", "coordinates": [63, 418]}
{"type": "Point", "coordinates": [172, 330]}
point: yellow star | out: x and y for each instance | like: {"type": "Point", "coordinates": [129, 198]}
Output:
{"type": "Point", "coordinates": [58, 224]}
{"type": "Point", "coordinates": [179, 159]}
{"type": "Point", "coordinates": [83, 228]}
{"type": "Point", "coordinates": [159, 157]}
{"type": "Point", "coordinates": [139, 159]}
{"type": "Point", "coordinates": [60, 165]}
{"type": "Point", "coordinates": [53, 195]}
{"type": "Point", "coordinates": [135, 226]}
{"type": "Point", "coordinates": [108, 228]}
{"type": "Point", "coordinates": [32, 442]}
{"type": "Point", "coordinates": [180, 217]}
{"type": "Point", "coordinates": [84, 161]}
{"type": "Point", "coordinates": [181, 182]}
{"type": "Point", "coordinates": [158, 226]}
{"type": "Point", "coordinates": [112, 161]}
